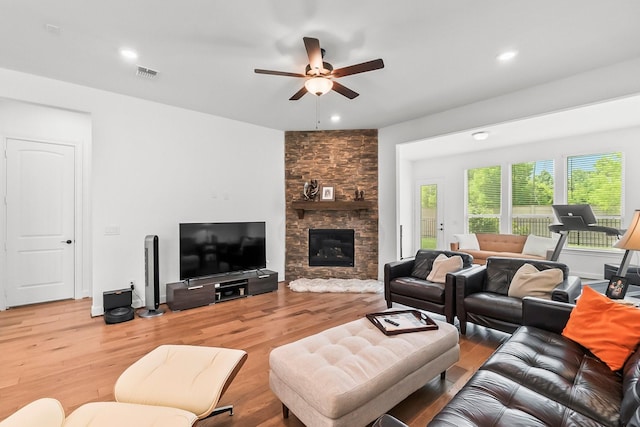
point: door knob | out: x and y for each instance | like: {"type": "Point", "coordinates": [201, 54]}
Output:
{"type": "Point", "coordinates": [68, 242]}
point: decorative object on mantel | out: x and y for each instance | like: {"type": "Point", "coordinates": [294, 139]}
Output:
{"type": "Point", "coordinates": [337, 285]}
{"type": "Point", "coordinates": [327, 194]}
{"type": "Point", "coordinates": [310, 190]}
{"type": "Point", "coordinates": [359, 195]}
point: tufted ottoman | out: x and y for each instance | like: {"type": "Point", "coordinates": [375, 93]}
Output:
{"type": "Point", "coordinates": [351, 374]}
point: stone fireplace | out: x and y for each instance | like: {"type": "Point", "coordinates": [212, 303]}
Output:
{"type": "Point", "coordinates": [347, 161]}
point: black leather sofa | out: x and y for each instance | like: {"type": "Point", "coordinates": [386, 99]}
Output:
{"type": "Point", "coordinates": [539, 378]}
{"type": "Point", "coordinates": [482, 293]}
{"type": "Point", "coordinates": [405, 283]}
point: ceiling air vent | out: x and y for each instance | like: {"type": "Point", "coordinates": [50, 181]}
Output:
{"type": "Point", "coordinates": [146, 73]}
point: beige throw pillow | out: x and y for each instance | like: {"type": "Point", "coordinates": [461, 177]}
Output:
{"type": "Point", "coordinates": [529, 281]}
{"type": "Point", "coordinates": [467, 241]}
{"type": "Point", "coordinates": [537, 245]}
{"type": "Point", "coordinates": [443, 265]}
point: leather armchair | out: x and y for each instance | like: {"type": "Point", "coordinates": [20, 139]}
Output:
{"type": "Point", "coordinates": [405, 283]}
{"type": "Point", "coordinates": [482, 293]}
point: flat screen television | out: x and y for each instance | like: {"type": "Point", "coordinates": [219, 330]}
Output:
{"type": "Point", "coordinates": [211, 248]}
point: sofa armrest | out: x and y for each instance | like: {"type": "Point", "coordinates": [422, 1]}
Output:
{"type": "Point", "coordinates": [455, 246]}
{"type": "Point", "coordinates": [549, 315]}
{"type": "Point", "coordinates": [395, 269]}
{"type": "Point", "coordinates": [470, 280]}
{"type": "Point", "coordinates": [568, 290]}
{"type": "Point", "coordinates": [400, 268]}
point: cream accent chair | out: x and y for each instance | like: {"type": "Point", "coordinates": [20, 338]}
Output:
{"type": "Point", "coordinates": [173, 385]}
{"type": "Point", "coordinates": [45, 412]}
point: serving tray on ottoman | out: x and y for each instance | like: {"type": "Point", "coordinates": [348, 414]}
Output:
{"type": "Point", "coordinates": [351, 374]}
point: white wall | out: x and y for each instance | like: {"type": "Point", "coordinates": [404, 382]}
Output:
{"type": "Point", "coordinates": [598, 85]}
{"type": "Point", "coordinates": [154, 166]}
{"type": "Point", "coordinates": [450, 170]}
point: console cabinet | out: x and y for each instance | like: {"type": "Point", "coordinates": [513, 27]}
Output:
{"type": "Point", "coordinates": [210, 290]}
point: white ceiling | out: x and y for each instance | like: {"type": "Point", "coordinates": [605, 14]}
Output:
{"type": "Point", "coordinates": [438, 54]}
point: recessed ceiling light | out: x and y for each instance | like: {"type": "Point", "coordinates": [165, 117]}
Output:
{"type": "Point", "coordinates": [507, 56]}
{"type": "Point", "coordinates": [480, 136]}
{"type": "Point", "coordinates": [335, 118]}
{"type": "Point", "coordinates": [128, 53]}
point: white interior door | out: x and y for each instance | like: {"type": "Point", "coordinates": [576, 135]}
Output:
{"type": "Point", "coordinates": [40, 222]}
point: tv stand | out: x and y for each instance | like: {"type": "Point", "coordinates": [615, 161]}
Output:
{"type": "Point", "coordinates": [199, 292]}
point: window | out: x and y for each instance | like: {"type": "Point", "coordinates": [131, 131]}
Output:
{"type": "Point", "coordinates": [428, 216]}
{"type": "Point", "coordinates": [532, 189]}
{"type": "Point", "coordinates": [596, 179]}
{"type": "Point", "coordinates": [483, 199]}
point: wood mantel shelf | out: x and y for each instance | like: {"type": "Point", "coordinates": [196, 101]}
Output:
{"type": "Point", "coordinates": [343, 205]}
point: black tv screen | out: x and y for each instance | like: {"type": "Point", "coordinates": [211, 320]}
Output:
{"type": "Point", "coordinates": [213, 248]}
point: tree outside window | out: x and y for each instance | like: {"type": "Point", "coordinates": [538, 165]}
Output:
{"type": "Point", "coordinates": [484, 199]}
{"type": "Point", "coordinates": [596, 179]}
{"type": "Point", "coordinates": [532, 189]}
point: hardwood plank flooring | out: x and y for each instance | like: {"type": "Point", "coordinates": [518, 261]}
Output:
{"type": "Point", "coordinates": [58, 350]}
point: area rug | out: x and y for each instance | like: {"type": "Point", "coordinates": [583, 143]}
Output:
{"type": "Point", "coordinates": [337, 285]}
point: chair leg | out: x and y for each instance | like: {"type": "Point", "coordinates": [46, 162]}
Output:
{"type": "Point", "coordinates": [221, 410]}
{"type": "Point", "coordinates": [463, 327]}
{"type": "Point", "coordinates": [389, 303]}
{"type": "Point", "coordinates": [285, 411]}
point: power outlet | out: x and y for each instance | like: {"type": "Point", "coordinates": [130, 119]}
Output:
{"type": "Point", "coordinates": [132, 284]}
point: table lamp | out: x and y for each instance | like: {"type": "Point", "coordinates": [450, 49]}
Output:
{"type": "Point", "coordinates": [630, 241]}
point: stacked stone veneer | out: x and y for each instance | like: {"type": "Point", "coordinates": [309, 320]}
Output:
{"type": "Point", "coordinates": [346, 160]}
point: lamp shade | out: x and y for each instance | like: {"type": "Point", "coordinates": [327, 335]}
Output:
{"type": "Point", "coordinates": [631, 239]}
{"type": "Point", "coordinates": [318, 85]}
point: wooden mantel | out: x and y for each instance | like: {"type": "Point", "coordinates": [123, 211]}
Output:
{"type": "Point", "coordinates": [343, 205]}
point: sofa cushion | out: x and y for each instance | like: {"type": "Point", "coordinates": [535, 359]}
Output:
{"type": "Point", "coordinates": [610, 330]}
{"type": "Point", "coordinates": [630, 388]}
{"type": "Point", "coordinates": [500, 271]}
{"type": "Point", "coordinates": [560, 369]}
{"type": "Point", "coordinates": [423, 261]}
{"type": "Point", "coordinates": [529, 281]}
{"type": "Point", "coordinates": [489, 399]}
{"type": "Point", "coordinates": [418, 288]}
{"type": "Point", "coordinates": [538, 245]}
{"type": "Point", "coordinates": [501, 242]}
{"type": "Point", "coordinates": [423, 264]}
{"type": "Point", "coordinates": [467, 241]}
{"type": "Point", "coordinates": [494, 306]}
{"type": "Point", "coordinates": [443, 265]}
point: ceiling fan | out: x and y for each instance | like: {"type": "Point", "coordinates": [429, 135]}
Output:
{"type": "Point", "coordinates": [321, 76]}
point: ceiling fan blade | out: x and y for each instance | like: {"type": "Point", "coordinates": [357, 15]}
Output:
{"type": "Point", "coordinates": [343, 90]}
{"type": "Point", "coordinates": [376, 64]}
{"type": "Point", "coordinates": [313, 52]}
{"type": "Point", "coordinates": [299, 94]}
{"type": "Point", "coordinates": [278, 73]}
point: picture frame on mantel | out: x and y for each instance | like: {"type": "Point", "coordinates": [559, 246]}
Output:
{"type": "Point", "coordinates": [327, 194]}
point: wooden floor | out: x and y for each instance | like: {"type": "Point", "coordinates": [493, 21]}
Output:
{"type": "Point", "coordinates": [57, 350]}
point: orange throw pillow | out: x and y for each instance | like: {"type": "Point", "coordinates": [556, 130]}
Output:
{"type": "Point", "coordinates": [610, 330]}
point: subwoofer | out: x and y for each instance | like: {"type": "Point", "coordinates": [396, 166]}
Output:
{"type": "Point", "coordinates": [152, 279]}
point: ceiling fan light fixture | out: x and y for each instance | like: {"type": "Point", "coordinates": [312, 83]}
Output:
{"type": "Point", "coordinates": [318, 85]}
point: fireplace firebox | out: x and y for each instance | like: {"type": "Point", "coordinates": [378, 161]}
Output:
{"type": "Point", "coordinates": [331, 248]}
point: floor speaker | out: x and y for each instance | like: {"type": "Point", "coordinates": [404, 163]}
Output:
{"type": "Point", "coordinates": [152, 279]}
